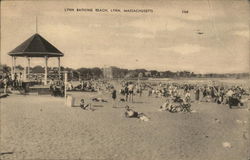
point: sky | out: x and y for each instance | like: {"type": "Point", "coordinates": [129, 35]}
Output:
{"type": "Point", "coordinates": [165, 39]}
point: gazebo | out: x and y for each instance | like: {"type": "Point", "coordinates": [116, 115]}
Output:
{"type": "Point", "coordinates": [36, 46]}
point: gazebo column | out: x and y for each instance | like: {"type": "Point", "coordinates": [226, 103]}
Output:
{"type": "Point", "coordinates": [12, 68]}
{"type": "Point", "coordinates": [28, 74]}
{"type": "Point", "coordinates": [59, 68]}
{"type": "Point", "coordinates": [25, 72]}
{"type": "Point", "coordinates": [46, 70]}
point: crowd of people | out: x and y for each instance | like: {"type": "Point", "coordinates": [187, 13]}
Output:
{"type": "Point", "coordinates": [14, 84]}
{"type": "Point", "coordinates": [212, 92]}
{"type": "Point", "coordinates": [178, 96]}
{"type": "Point", "coordinates": [57, 88]}
{"type": "Point", "coordinates": [90, 86]}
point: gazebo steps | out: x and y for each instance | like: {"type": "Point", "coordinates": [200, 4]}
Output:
{"type": "Point", "coordinates": [18, 92]}
{"type": "Point", "coordinates": [39, 90]}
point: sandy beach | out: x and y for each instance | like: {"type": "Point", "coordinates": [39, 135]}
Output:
{"type": "Point", "coordinates": [42, 127]}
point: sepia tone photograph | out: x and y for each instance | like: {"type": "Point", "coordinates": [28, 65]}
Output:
{"type": "Point", "coordinates": [125, 80]}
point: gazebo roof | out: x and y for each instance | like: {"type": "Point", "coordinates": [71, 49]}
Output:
{"type": "Point", "coordinates": [36, 46]}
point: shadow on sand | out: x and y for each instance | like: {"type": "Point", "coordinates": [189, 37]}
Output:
{"type": "Point", "coordinates": [3, 153]}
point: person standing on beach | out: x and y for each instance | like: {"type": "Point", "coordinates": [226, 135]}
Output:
{"type": "Point", "coordinates": [149, 92]}
{"type": "Point", "coordinates": [15, 82]}
{"type": "Point", "coordinates": [20, 80]}
{"type": "Point", "coordinates": [140, 90]}
{"type": "Point", "coordinates": [114, 97]}
{"type": "Point", "coordinates": [5, 83]}
{"type": "Point", "coordinates": [187, 96]}
{"type": "Point", "coordinates": [131, 91]}
{"type": "Point", "coordinates": [126, 92]}
{"type": "Point", "coordinates": [197, 94]}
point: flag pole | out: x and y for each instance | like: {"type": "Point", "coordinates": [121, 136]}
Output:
{"type": "Point", "coordinates": [36, 25]}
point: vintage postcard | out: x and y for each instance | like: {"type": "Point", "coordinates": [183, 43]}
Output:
{"type": "Point", "coordinates": [125, 80]}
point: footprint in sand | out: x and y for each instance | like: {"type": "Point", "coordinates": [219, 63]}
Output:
{"type": "Point", "coordinates": [245, 135]}
{"type": "Point", "coordinates": [241, 122]}
{"type": "Point", "coordinates": [217, 120]}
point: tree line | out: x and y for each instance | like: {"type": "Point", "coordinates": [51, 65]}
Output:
{"type": "Point", "coordinates": [117, 72]}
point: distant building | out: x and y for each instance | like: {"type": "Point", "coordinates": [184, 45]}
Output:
{"type": "Point", "coordinates": [107, 73]}
{"type": "Point", "coordinates": [161, 73]}
{"type": "Point", "coordinates": [148, 74]}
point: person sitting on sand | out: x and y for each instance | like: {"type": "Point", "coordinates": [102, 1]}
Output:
{"type": "Point", "coordinates": [129, 113]}
{"type": "Point", "coordinates": [166, 106]}
{"type": "Point", "coordinates": [185, 105]}
{"type": "Point", "coordinates": [99, 100]}
{"type": "Point", "coordinates": [85, 106]}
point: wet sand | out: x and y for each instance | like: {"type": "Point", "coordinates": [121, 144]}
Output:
{"type": "Point", "coordinates": [42, 127]}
